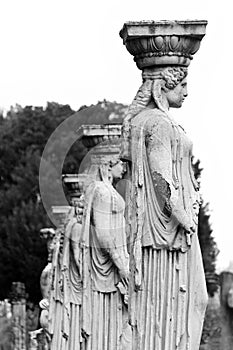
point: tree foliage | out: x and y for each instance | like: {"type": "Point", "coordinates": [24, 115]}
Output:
{"type": "Point", "coordinates": [23, 134]}
{"type": "Point", "coordinates": [207, 243]}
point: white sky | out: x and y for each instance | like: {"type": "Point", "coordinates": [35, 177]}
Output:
{"type": "Point", "coordinates": [70, 52]}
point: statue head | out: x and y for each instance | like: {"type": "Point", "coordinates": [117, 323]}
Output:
{"type": "Point", "coordinates": [49, 235]}
{"type": "Point", "coordinates": [175, 97]}
{"type": "Point", "coordinates": [117, 170]}
{"type": "Point", "coordinates": [109, 167]}
{"type": "Point", "coordinates": [173, 87]}
{"type": "Point", "coordinates": [163, 87]}
{"type": "Point", "coordinates": [105, 163]}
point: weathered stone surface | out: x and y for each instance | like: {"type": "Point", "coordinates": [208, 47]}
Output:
{"type": "Point", "coordinates": [163, 43]}
{"type": "Point", "coordinates": [93, 135]}
{"type": "Point", "coordinates": [74, 185]}
{"type": "Point", "coordinates": [94, 260]}
{"type": "Point", "coordinates": [105, 279]}
{"type": "Point", "coordinates": [167, 277]}
{"type": "Point", "coordinates": [65, 299]}
{"type": "Point", "coordinates": [49, 235]}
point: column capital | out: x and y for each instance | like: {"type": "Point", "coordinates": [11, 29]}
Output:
{"type": "Point", "coordinates": [163, 43]}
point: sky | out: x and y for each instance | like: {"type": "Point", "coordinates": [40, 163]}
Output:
{"type": "Point", "coordinates": [70, 52]}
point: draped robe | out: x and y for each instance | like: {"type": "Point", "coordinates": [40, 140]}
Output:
{"type": "Point", "coordinates": [104, 321]}
{"type": "Point", "coordinates": [66, 296]}
{"type": "Point", "coordinates": [167, 288]}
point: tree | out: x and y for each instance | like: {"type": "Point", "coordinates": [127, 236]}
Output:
{"type": "Point", "coordinates": [23, 134]}
{"type": "Point", "coordinates": [207, 243]}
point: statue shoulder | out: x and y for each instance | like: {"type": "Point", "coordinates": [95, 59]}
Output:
{"type": "Point", "coordinates": [158, 121]}
{"type": "Point", "coordinates": [102, 193]}
{"type": "Point", "coordinates": [151, 118]}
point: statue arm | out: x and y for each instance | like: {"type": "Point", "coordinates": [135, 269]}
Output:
{"type": "Point", "coordinates": [45, 285]}
{"type": "Point", "coordinates": [45, 282]}
{"type": "Point", "coordinates": [75, 242]}
{"type": "Point", "coordinates": [159, 150]}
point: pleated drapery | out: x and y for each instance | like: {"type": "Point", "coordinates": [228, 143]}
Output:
{"type": "Point", "coordinates": [110, 329]}
{"type": "Point", "coordinates": [161, 305]}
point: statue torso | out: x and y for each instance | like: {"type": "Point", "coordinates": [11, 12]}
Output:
{"type": "Point", "coordinates": [154, 131]}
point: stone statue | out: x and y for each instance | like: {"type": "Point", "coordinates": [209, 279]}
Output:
{"type": "Point", "coordinates": [105, 258]}
{"type": "Point", "coordinates": [40, 338]}
{"type": "Point", "coordinates": [168, 297]}
{"type": "Point", "coordinates": [88, 301]}
{"type": "Point", "coordinates": [56, 296]}
{"type": "Point", "coordinates": [67, 326]}
{"type": "Point", "coordinates": [46, 276]}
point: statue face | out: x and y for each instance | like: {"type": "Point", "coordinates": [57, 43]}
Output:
{"type": "Point", "coordinates": [176, 96]}
{"type": "Point", "coordinates": [117, 170]}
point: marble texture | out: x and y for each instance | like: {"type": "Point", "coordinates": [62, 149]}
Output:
{"type": "Point", "coordinates": [167, 295]}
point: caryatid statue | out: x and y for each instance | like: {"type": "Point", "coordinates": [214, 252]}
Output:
{"type": "Point", "coordinates": [65, 300]}
{"type": "Point", "coordinates": [56, 296]}
{"type": "Point", "coordinates": [88, 308]}
{"type": "Point", "coordinates": [105, 259]}
{"type": "Point", "coordinates": [68, 324]}
{"type": "Point", "coordinates": [40, 338]}
{"type": "Point", "coordinates": [46, 276]}
{"type": "Point", "coordinates": [168, 297]}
